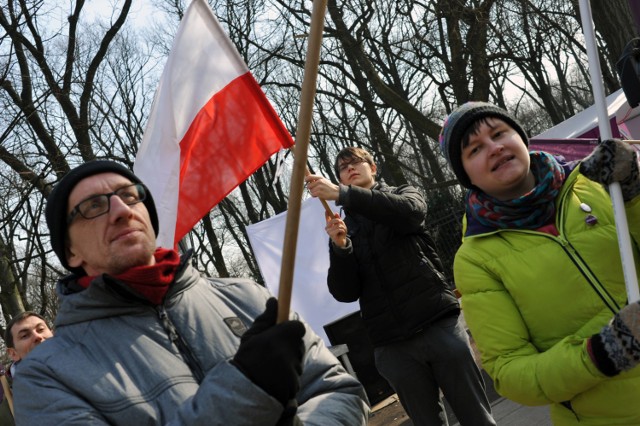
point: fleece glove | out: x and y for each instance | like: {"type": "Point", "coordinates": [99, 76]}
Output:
{"type": "Point", "coordinates": [617, 347]}
{"type": "Point", "coordinates": [270, 354]}
{"type": "Point", "coordinates": [611, 161]}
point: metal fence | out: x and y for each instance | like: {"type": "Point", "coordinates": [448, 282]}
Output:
{"type": "Point", "coordinates": [444, 223]}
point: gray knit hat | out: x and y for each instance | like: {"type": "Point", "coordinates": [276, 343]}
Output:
{"type": "Point", "coordinates": [56, 209]}
{"type": "Point", "coordinates": [457, 123]}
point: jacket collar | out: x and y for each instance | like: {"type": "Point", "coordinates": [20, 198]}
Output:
{"type": "Point", "coordinates": [108, 297]}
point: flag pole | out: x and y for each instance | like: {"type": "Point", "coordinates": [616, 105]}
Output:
{"type": "Point", "coordinates": [622, 227]}
{"type": "Point", "coordinates": [303, 133]}
{"type": "Point", "coordinates": [7, 392]}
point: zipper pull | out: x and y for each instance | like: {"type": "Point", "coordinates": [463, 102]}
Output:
{"type": "Point", "coordinates": [166, 323]}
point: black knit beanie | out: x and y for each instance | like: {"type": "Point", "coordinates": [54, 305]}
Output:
{"type": "Point", "coordinates": [56, 209]}
{"type": "Point", "coordinates": [457, 123]}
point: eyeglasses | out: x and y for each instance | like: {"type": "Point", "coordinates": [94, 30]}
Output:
{"type": "Point", "coordinates": [355, 161]}
{"type": "Point", "coordinates": [100, 204]}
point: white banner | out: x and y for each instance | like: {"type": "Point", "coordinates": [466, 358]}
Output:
{"type": "Point", "coordinates": [310, 296]}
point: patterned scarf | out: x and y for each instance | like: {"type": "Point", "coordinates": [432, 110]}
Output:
{"type": "Point", "coordinates": [530, 211]}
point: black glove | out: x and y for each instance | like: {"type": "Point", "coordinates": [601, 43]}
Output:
{"type": "Point", "coordinates": [617, 347]}
{"type": "Point", "coordinates": [288, 417]}
{"type": "Point", "coordinates": [614, 160]}
{"type": "Point", "coordinates": [270, 354]}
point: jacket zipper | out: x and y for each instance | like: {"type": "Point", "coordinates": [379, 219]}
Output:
{"type": "Point", "coordinates": [582, 266]}
{"type": "Point", "coordinates": [174, 337]}
{"type": "Point", "coordinates": [593, 281]}
{"type": "Point", "coordinates": [177, 340]}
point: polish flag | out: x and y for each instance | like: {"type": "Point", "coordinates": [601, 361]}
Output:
{"type": "Point", "coordinates": [210, 126]}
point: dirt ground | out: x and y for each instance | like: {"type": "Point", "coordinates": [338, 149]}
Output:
{"type": "Point", "coordinates": [389, 413]}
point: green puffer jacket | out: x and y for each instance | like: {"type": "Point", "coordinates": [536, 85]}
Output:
{"type": "Point", "coordinates": [531, 300]}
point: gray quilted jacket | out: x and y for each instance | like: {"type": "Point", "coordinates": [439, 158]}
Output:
{"type": "Point", "coordinates": [116, 359]}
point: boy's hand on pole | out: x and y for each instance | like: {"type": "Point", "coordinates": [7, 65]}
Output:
{"type": "Point", "coordinates": [321, 187]}
{"type": "Point", "coordinates": [336, 229]}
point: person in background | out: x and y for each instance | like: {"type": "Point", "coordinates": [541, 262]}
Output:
{"type": "Point", "coordinates": [23, 333]}
{"type": "Point", "coordinates": [144, 338]}
{"type": "Point", "coordinates": [382, 255]}
{"type": "Point", "coordinates": [539, 269]}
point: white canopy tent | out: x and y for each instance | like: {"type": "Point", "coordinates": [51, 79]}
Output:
{"type": "Point", "coordinates": [310, 296]}
{"type": "Point", "coordinates": [625, 120]}
{"type": "Point", "coordinates": [577, 136]}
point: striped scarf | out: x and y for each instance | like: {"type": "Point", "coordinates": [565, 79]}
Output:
{"type": "Point", "coordinates": [530, 211]}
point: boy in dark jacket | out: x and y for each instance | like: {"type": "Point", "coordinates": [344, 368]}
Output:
{"type": "Point", "coordinates": [382, 255]}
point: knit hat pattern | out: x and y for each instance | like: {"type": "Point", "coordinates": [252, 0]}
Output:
{"type": "Point", "coordinates": [58, 199]}
{"type": "Point", "coordinates": [458, 122]}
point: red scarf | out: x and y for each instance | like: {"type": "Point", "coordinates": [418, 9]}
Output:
{"type": "Point", "coordinates": [151, 281]}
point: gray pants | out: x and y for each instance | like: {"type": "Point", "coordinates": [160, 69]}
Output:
{"type": "Point", "coordinates": [438, 358]}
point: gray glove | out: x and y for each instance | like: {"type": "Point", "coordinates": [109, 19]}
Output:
{"type": "Point", "coordinates": [617, 347]}
{"type": "Point", "coordinates": [614, 160]}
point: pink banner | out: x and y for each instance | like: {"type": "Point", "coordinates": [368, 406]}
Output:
{"type": "Point", "coordinates": [570, 149]}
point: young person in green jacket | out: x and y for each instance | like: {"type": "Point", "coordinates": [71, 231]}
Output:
{"type": "Point", "coordinates": [539, 269]}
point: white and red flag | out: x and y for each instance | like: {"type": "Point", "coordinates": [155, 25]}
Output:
{"type": "Point", "coordinates": [210, 126]}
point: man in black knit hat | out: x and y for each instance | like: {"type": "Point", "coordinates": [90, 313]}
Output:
{"type": "Point", "coordinates": [144, 338]}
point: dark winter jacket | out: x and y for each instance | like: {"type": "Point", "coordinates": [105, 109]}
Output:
{"type": "Point", "coordinates": [389, 264]}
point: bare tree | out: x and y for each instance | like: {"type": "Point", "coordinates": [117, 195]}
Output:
{"type": "Point", "coordinates": [75, 87]}
{"type": "Point", "coordinates": [48, 76]}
